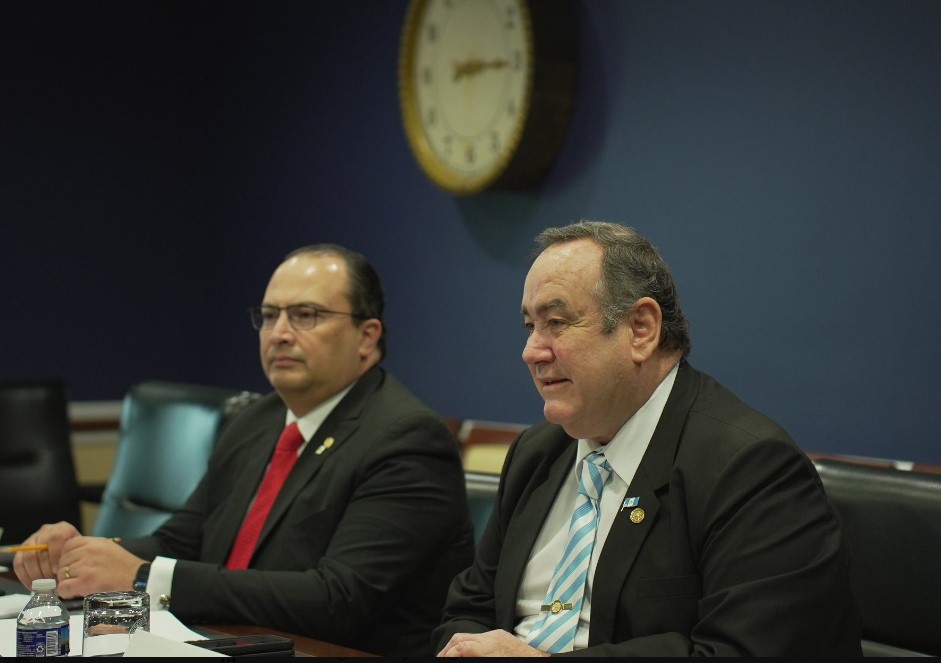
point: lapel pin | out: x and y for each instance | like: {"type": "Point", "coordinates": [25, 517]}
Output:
{"type": "Point", "coordinates": [637, 515]}
{"type": "Point", "coordinates": [630, 501]}
{"type": "Point", "coordinates": [326, 445]}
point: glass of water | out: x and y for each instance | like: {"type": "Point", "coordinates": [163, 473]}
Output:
{"type": "Point", "coordinates": [109, 620]}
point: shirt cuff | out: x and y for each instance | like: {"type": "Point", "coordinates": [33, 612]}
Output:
{"type": "Point", "coordinates": [160, 581]}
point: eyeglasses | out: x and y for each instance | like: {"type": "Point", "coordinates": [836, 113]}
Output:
{"type": "Point", "coordinates": [301, 316]}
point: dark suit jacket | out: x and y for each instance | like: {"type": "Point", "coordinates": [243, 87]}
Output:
{"type": "Point", "coordinates": [362, 541]}
{"type": "Point", "coordinates": [739, 552]}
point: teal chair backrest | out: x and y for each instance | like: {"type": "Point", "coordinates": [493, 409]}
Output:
{"type": "Point", "coordinates": [481, 496]}
{"type": "Point", "coordinates": [166, 436]}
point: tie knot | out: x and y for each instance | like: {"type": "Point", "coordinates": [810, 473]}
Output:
{"type": "Point", "coordinates": [593, 475]}
{"type": "Point", "coordinates": [291, 439]}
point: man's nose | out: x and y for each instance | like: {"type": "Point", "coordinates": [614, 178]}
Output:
{"type": "Point", "coordinates": [536, 349]}
{"type": "Point", "coordinates": [282, 325]}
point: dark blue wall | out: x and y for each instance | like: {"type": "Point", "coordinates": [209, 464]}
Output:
{"type": "Point", "coordinates": [158, 158]}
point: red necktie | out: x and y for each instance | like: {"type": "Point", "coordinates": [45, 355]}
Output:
{"type": "Point", "coordinates": [285, 455]}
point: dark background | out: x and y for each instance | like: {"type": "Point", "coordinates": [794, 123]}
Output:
{"type": "Point", "coordinates": [158, 158]}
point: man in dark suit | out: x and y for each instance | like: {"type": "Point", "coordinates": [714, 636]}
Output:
{"type": "Point", "coordinates": [372, 521]}
{"type": "Point", "coordinates": [703, 529]}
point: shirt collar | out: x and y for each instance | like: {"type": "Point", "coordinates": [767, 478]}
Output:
{"type": "Point", "coordinates": [310, 422]}
{"type": "Point", "coordinates": [628, 445]}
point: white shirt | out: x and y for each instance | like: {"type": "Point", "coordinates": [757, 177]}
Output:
{"type": "Point", "coordinates": [161, 570]}
{"type": "Point", "coordinates": [623, 453]}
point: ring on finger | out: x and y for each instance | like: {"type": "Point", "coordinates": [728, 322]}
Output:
{"type": "Point", "coordinates": [67, 574]}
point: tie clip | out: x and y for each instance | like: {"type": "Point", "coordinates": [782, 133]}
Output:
{"type": "Point", "coordinates": [556, 607]}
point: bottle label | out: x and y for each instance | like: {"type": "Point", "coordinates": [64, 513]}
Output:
{"type": "Point", "coordinates": [43, 642]}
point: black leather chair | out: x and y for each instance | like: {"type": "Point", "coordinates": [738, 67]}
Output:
{"type": "Point", "coordinates": [892, 521]}
{"type": "Point", "coordinates": [37, 473]}
{"type": "Point", "coordinates": [481, 496]}
{"type": "Point", "coordinates": [167, 432]}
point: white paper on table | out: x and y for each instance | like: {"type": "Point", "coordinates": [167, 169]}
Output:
{"type": "Point", "coordinates": [11, 604]}
{"type": "Point", "coordinates": [162, 623]}
{"type": "Point", "coordinates": [149, 645]}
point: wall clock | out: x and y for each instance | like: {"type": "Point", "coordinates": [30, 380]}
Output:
{"type": "Point", "coordinates": [486, 89]}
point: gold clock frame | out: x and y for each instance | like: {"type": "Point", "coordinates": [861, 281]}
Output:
{"type": "Point", "coordinates": [549, 32]}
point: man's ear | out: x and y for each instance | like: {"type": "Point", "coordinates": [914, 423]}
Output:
{"type": "Point", "coordinates": [371, 331]}
{"type": "Point", "coordinates": [645, 323]}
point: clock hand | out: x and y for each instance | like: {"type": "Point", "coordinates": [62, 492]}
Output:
{"type": "Point", "coordinates": [474, 66]}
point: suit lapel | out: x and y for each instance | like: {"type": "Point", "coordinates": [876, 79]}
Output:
{"type": "Point", "coordinates": [528, 519]}
{"type": "Point", "coordinates": [627, 535]}
{"type": "Point", "coordinates": [617, 557]}
{"type": "Point", "coordinates": [307, 467]}
{"type": "Point", "coordinates": [333, 433]}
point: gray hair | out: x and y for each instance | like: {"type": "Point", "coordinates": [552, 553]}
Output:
{"type": "Point", "coordinates": [631, 268]}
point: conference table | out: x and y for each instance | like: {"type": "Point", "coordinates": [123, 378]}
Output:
{"type": "Point", "coordinates": [303, 646]}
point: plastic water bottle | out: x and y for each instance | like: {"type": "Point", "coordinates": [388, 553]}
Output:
{"type": "Point", "coordinates": [42, 628]}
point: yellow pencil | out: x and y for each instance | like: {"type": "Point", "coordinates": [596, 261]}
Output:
{"type": "Point", "coordinates": [16, 549]}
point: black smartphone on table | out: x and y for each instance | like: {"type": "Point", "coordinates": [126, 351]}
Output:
{"type": "Point", "coordinates": [248, 645]}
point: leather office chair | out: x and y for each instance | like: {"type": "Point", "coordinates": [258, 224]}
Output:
{"type": "Point", "coordinates": [37, 473]}
{"type": "Point", "coordinates": [166, 436]}
{"type": "Point", "coordinates": [481, 496]}
{"type": "Point", "coordinates": [892, 521]}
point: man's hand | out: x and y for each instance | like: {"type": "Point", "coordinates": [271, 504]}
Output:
{"type": "Point", "coordinates": [491, 643]}
{"type": "Point", "coordinates": [43, 563]}
{"type": "Point", "coordinates": [93, 564]}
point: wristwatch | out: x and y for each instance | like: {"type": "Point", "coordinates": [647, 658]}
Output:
{"type": "Point", "coordinates": [140, 580]}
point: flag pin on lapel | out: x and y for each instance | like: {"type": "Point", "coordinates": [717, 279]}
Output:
{"type": "Point", "coordinates": [637, 514]}
{"type": "Point", "coordinates": [630, 501]}
{"type": "Point", "coordinates": [326, 445]}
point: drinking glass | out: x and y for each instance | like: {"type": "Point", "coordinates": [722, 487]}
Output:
{"type": "Point", "coordinates": [109, 620]}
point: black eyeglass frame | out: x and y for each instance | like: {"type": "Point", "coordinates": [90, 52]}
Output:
{"type": "Point", "coordinates": [257, 316]}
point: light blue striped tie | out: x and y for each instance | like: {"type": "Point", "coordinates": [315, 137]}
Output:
{"type": "Point", "coordinates": [555, 632]}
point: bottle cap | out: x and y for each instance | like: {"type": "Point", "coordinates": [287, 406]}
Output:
{"type": "Point", "coordinates": [44, 584]}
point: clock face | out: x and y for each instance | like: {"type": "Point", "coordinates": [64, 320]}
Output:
{"type": "Point", "coordinates": [466, 77]}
